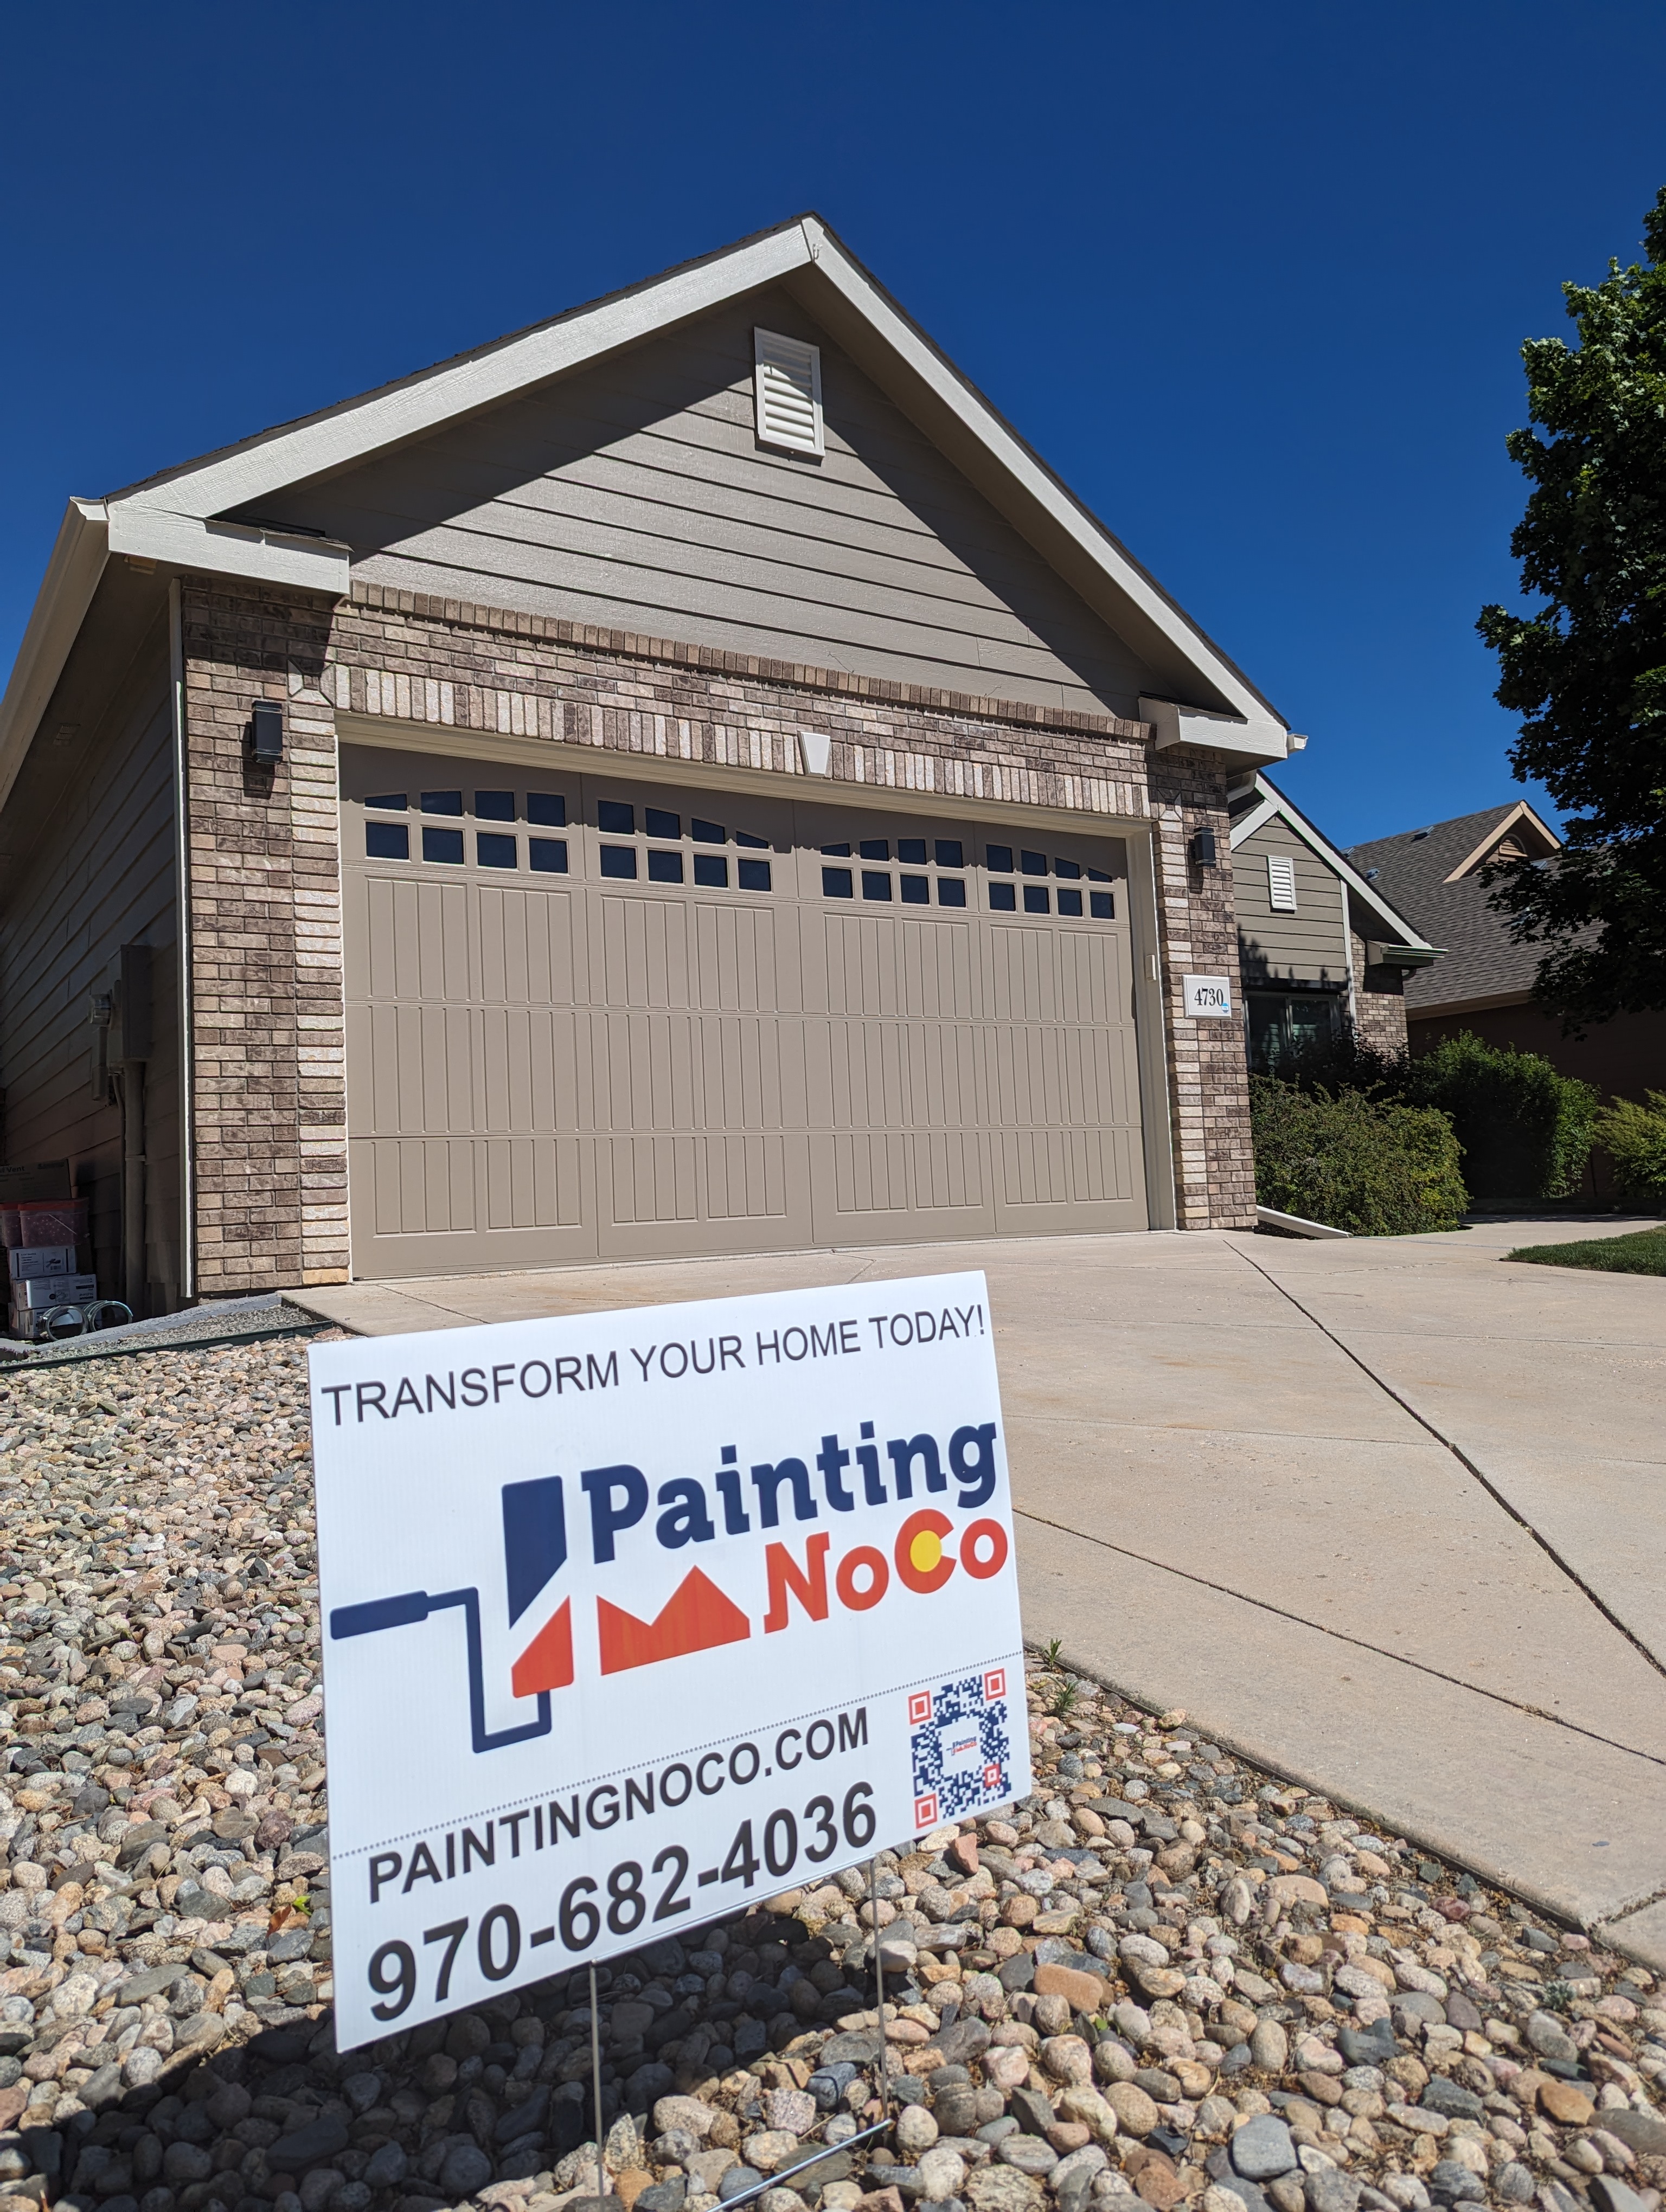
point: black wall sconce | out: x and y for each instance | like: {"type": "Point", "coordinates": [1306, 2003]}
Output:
{"type": "Point", "coordinates": [266, 732]}
{"type": "Point", "coordinates": [1202, 849]}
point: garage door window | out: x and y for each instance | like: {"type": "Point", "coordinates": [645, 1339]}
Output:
{"type": "Point", "coordinates": [908, 889]}
{"type": "Point", "coordinates": [1068, 901]}
{"type": "Point", "coordinates": [492, 848]}
{"type": "Point", "coordinates": [662, 864]}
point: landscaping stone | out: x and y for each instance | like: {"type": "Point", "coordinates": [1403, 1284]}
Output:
{"type": "Point", "coordinates": [1164, 1978]}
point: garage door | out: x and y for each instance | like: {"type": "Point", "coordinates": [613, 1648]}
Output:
{"type": "Point", "coordinates": [590, 1017]}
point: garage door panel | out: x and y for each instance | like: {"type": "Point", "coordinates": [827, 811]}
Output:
{"type": "Point", "coordinates": [947, 1171]}
{"type": "Point", "coordinates": [861, 965]}
{"type": "Point", "coordinates": [942, 1089]}
{"type": "Point", "coordinates": [745, 1178]}
{"type": "Point", "coordinates": [870, 1172]}
{"type": "Point", "coordinates": [937, 978]}
{"type": "Point", "coordinates": [543, 1069]}
{"type": "Point", "coordinates": [739, 1068]}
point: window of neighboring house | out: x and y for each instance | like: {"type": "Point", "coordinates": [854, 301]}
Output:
{"type": "Point", "coordinates": [1282, 1022]}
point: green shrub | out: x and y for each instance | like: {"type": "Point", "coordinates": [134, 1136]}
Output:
{"type": "Point", "coordinates": [1635, 1137]}
{"type": "Point", "coordinates": [1525, 1130]}
{"type": "Point", "coordinates": [1370, 1165]}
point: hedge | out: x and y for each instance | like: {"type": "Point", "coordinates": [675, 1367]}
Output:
{"type": "Point", "coordinates": [1370, 1165]}
{"type": "Point", "coordinates": [1635, 1137]}
{"type": "Point", "coordinates": [1526, 1130]}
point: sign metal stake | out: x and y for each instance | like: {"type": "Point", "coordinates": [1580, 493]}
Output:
{"type": "Point", "coordinates": [879, 1990]}
{"type": "Point", "coordinates": [596, 2086]}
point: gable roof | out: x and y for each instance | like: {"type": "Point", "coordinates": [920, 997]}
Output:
{"type": "Point", "coordinates": [179, 518]}
{"type": "Point", "coordinates": [1434, 874]}
{"type": "Point", "coordinates": [1259, 801]}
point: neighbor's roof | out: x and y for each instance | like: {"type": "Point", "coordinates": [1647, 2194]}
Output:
{"type": "Point", "coordinates": [1434, 875]}
{"type": "Point", "coordinates": [1262, 800]}
{"type": "Point", "coordinates": [177, 518]}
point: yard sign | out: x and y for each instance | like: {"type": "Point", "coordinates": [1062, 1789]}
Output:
{"type": "Point", "coordinates": [633, 1619]}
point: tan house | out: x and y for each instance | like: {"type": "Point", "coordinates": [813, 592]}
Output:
{"type": "Point", "coordinates": [685, 778]}
{"type": "Point", "coordinates": [1320, 947]}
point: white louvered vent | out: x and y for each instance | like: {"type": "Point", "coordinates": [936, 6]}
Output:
{"type": "Point", "coordinates": [1281, 883]}
{"type": "Point", "coordinates": [787, 383]}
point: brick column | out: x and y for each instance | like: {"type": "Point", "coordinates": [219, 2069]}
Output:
{"type": "Point", "coordinates": [1208, 1075]}
{"type": "Point", "coordinates": [1379, 1000]}
{"type": "Point", "coordinates": [269, 1088]}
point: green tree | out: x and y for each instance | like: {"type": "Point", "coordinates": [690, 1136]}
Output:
{"type": "Point", "coordinates": [1587, 672]}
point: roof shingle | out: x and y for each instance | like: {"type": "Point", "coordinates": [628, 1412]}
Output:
{"type": "Point", "coordinates": [1481, 960]}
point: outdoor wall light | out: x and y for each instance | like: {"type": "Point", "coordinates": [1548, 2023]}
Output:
{"type": "Point", "coordinates": [266, 732]}
{"type": "Point", "coordinates": [1203, 848]}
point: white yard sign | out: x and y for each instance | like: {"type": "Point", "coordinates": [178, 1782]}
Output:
{"type": "Point", "coordinates": [633, 1619]}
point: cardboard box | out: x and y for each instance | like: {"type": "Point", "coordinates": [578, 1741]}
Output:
{"type": "Point", "coordinates": [28, 1260]}
{"type": "Point", "coordinates": [49, 1179]}
{"type": "Point", "coordinates": [42, 1291]}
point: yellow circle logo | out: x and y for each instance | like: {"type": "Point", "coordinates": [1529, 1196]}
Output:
{"type": "Point", "coordinates": [925, 1551]}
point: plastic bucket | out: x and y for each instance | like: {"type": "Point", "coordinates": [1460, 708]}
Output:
{"type": "Point", "coordinates": [50, 1221]}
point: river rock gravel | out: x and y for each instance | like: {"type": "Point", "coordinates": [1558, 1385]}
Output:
{"type": "Point", "coordinates": [1165, 1976]}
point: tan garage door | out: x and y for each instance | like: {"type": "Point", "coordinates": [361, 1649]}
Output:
{"type": "Point", "coordinates": [591, 1018]}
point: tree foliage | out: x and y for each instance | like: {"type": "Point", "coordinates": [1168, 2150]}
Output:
{"type": "Point", "coordinates": [1587, 672]}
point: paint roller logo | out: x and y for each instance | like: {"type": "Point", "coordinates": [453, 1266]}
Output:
{"type": "Point", "coordinates": [534, 1552]}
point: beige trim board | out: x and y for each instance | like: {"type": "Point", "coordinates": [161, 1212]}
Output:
{"type": "Point", "coordinates": [391, 736]}
{"type": "Point", "coordinates": [1521, 812]}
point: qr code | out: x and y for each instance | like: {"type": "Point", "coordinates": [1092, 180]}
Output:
{"type": "Point", "coordinates": [959, 1747]}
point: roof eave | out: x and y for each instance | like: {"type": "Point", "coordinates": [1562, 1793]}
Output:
{"type": "Point", "coordinates": [77, 562]}
{"type": "Point", "coordinates": [179, 519]}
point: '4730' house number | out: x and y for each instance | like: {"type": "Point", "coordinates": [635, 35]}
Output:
{"type": "Point", "coordinates": [1208, 995]}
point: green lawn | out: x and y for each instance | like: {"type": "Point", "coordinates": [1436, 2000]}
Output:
{"type": "Point", "coordinates": [1643, 1253]}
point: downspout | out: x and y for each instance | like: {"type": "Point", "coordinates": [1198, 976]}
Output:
{"type": "Point", "coordinates": [1347, 955]}
{"type": "Point", "coordinates": [182, 918]}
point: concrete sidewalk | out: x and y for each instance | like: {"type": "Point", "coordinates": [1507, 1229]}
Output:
{"type": "Point", "coordinates": [1383, 1515]}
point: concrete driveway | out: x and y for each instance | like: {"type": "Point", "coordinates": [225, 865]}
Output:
{"type": "Point", "coordinates": [1386, 1515]}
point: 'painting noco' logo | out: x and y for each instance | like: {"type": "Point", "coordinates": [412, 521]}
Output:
{"type": "Point", "coordinates": [925, 1551]}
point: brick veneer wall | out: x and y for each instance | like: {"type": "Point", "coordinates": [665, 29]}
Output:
{"type": "Point", "coordinates": [1379, 995]}
{"type": "Point", "coordinates": [271, 1087]}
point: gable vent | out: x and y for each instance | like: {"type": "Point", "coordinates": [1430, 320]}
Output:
{"type": "Point", "coordinates": [787, 392]}
{"type": "Point", "coordinates": [1281, 883]}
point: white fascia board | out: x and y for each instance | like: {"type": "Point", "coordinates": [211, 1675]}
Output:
{"type": "Point", "coordinates": [1273, 802]}
{"type": "Point", "coordinates": [66, 592]}
{"type": "Point", "coordinates": [1252, 738]}
{"type": "Point", "coordinates": [227, 548]}
{"type": "Point", "coordinates": [834, 267]}
{"type": "Point", "coordinates": [424, 403]}
{"type": "Point", "coordinates": [360, 427]}
{"type": "Point", "coordinates": [1246, 826]}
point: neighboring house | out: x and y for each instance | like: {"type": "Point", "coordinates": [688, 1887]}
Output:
{"type": "Point", "coordinates": [1319, 946]}
{"type": "Point", "coordinates": [685, 779]}
{"type": "Point", "coordinates": [1484, 981]}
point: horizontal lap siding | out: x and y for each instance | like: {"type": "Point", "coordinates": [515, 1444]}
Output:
{"type": "Point", "coordinates": [1304, 947]}
{"type": "Point", "coordinates": [635, 497]}
{"type": "Point", "coordinates": [101, 877]}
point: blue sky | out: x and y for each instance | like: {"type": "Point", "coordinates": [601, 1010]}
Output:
{"type": "Point", "coordinates": [1252, 278]}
